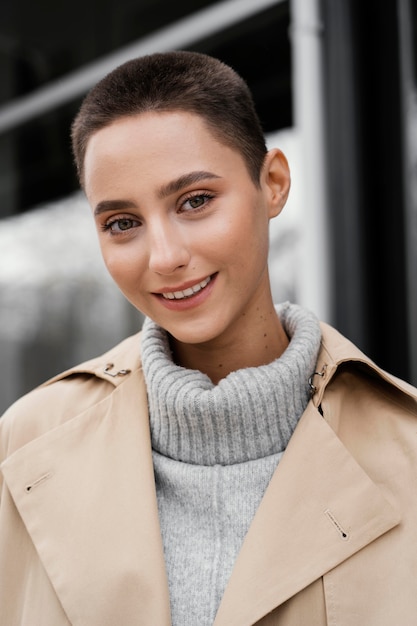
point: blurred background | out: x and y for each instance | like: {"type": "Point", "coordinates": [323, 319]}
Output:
{"type": "Point", "coordinates": [335, 84]}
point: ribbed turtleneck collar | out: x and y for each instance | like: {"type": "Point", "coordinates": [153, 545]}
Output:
{"type": "Point", "coordinates": [250, 414]}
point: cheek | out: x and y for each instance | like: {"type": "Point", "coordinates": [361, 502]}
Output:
{"type": "Point", "coordinates": [250, 233]}
{"type": "Point", "coordinates": [124, 266]}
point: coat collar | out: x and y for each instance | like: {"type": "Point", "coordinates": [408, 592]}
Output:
{"type": "Point", "coordinates": [112, 366]}
{"type": "Point", "coordinates": [91, 525]}
{"type": "Point", "coordinates": [335, 351]}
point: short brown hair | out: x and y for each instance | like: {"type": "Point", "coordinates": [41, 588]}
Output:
{"type": "Point", "coordinates": [175, 81]}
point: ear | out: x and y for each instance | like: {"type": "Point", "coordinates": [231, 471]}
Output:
{"type": "Point", "coordinates": [275, 181]}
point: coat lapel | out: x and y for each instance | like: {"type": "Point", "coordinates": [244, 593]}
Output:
{"type": "Point", "coordinates": [319, 509]}
{"type": "Point", "coordinates": [86, 494]}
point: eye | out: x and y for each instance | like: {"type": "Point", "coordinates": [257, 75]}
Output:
{"type": "Point", "coordinates": [120, 225]}
{"type": "Point", "coordinates": [196, 201]}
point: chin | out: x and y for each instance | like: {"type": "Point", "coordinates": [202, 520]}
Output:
{"type": "Point", "coordinates": [193, 336]}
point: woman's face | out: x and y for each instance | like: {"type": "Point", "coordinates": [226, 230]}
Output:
{"type": "Point", "coordinates": [182, 228]}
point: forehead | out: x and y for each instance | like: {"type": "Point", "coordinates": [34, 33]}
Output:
{"type": "Point", "coordinates": [155, 127]}
{"type": "Point", "coordinates": [156, 124]}
{"type": "Point", "coordinates": [156, 145]}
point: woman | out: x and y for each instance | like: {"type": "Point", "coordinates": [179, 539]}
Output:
{"type": "Point", "coordinates": [150, 486]}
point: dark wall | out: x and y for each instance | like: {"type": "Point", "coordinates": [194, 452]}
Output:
{"type": "Point", "coordinates": [364, 115]}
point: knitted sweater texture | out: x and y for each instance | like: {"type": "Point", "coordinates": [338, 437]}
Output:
{"type": "Point", "coordinates": [215, 448]}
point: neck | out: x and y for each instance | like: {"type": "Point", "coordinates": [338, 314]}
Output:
{"type": "Point", "coordinates": [265, 342]}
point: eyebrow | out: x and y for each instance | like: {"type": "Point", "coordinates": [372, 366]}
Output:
{"type": "Point", "coordinates": [184, 181]}
{"type": "Point", "coordinates": [113, 205]}
{"type": "Point", "coordinates": [164, 191]}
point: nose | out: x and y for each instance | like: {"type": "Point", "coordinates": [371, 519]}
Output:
{"type": "Point", "coordinates": [168, 250]}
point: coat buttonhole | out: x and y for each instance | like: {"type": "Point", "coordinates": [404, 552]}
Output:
{"type": "Point", "coordinates": [342, 532]}
{"type": "Point", "coordinates": [38, 481]}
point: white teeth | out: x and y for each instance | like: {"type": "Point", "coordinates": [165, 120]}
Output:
{"type": "Point", "coordinates": [190, 291]}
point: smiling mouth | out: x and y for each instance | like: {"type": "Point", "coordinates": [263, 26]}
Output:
{"type": "Point", "coordinates": [187, 293]}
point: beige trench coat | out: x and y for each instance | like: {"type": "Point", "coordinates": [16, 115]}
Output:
{"type": "Point", "coordinates": [334, 540]}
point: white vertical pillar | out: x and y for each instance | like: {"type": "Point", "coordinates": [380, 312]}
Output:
{"type": "Point", "coordinates": [314, 277]}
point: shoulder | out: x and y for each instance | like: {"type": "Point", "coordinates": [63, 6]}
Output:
{"type": "Point", "coordinates": [353, 381]}
{"type": "Point", "coordinates": [69, 394]}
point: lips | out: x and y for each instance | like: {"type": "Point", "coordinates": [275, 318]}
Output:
{"type": "Point", "coordinates": [186, 293]}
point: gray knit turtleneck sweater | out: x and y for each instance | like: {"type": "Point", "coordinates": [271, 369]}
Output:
{"type": "Point", "coordinates": [215, 450]}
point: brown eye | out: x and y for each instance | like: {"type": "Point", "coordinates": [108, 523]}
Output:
{"type": "Point", "coordinates": [197, 201]}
